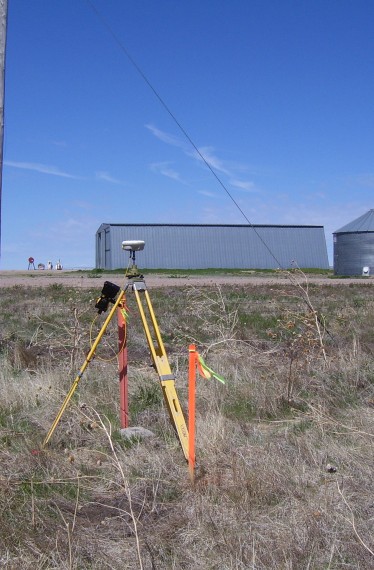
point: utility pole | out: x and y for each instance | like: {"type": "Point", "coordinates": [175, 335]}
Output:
{"type": "Point", "coordinates": [3, 27]}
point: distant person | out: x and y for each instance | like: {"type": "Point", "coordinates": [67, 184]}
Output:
{"type": "Point", "coordinates": [50, 266]}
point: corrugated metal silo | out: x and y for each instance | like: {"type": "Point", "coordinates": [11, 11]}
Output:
{"type": "Point", "coordinates": [354, 247]}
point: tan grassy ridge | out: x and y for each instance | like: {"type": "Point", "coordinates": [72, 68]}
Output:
{"type": "Point", "coordinates": [284, 449]}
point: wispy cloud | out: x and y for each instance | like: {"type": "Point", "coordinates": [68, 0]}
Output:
{"type": "Point", "coordinates": [61, 144]}
{"type": "Point", "coordinates": [70, 229]}
{"type": "Point", "coordinates": [165, 169]}
{"type": "Point", "coordinates": [204, 154]}
{"type": "Point", "coordinates": [107, 177]}
{"type": "Point", "coordinates": [165, 137]}
{"type": "Point", "coordinates": [207, 154]}
{"type": "Point", "coordinates": [42, 168]}
{"type": "Point", "coordinates": [245, 185]}
{"type": "Point", "coordinates": [207, 193]}
{"type": "Point", "coordinates": [83, 205]}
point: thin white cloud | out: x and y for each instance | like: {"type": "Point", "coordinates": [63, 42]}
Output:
{"type": "Point", "coordinates": [206, 153]}
{"type": "Point", "coordinates": [207, 193]}
{"type": "Point", "coordinates": [203, 154]}
{"type": "Point", "coordinates": [42, 168]}
{"type": "Point", "coordinates": [61, 144]}
{"type": "Point", "coordinates": [83, 205]}
{"type": "Point", "coordinates": [318, 195]}
{"type": "Point", "coordinates": [70, 229]}
{"type": "Point", "coordinates": [164, 169]}
{"type": "Point", "coordinates": [102, 175]}
{"type": "Point", "coordinates": [245, 185]}
{"type": "Point", "coordinates": [165, 137]}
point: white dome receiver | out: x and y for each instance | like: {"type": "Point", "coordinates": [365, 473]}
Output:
{"type": "Point", "coordinates": [133, 245]}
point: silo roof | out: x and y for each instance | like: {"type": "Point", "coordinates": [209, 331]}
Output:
{"type": "Point", "coordinates": [364, 223]}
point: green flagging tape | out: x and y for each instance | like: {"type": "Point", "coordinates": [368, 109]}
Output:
{"type": "Point", "coordinates": [208, 372]}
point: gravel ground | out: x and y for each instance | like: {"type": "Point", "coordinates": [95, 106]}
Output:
{"type": "Point", "coordinates": [70, 279]}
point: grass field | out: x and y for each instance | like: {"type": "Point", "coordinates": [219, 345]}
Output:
{"type": "Point", "coordinates": [284, 476]}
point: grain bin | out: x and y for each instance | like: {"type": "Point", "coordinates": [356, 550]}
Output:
{"type": "Point", "coordinates": [354, 247]}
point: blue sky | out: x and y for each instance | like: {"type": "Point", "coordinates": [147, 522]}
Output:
{"type": "Point", "coordinates": [277, 95]}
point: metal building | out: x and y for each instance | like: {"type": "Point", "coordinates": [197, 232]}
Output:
{"type": "Point", "coordinates": [354, 247]}
{"type": "Point", "coordinates": [194, 246]}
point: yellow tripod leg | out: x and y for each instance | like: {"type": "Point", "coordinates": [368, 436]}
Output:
{"type": "Point", "coordinates": [89, 357]}
{"type": "Point", "coordinates": [161, 363]}
{"type": "Point", "coordinates": [176, 414]}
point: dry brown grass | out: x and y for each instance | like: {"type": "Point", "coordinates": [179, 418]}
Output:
{"type": "Point", "coordinates": [284, 449]}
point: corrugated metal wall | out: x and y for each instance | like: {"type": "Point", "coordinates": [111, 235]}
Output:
{"type": "Point", "coordinates": [174, 246]}
{"type": "Point", "coordinates": [103, 247]}
{"type": "Point", "coordinates": [352, 252]}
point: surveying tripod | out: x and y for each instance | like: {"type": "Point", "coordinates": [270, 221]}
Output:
{"type": "Point", "coordinates": [112, 294]}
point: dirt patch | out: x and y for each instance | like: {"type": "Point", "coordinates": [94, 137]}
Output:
{"type": "Point", "coordinates": [69, 279]}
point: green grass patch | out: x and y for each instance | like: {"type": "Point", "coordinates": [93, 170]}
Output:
{"type": "Point", "coordinates": [239, 408]}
